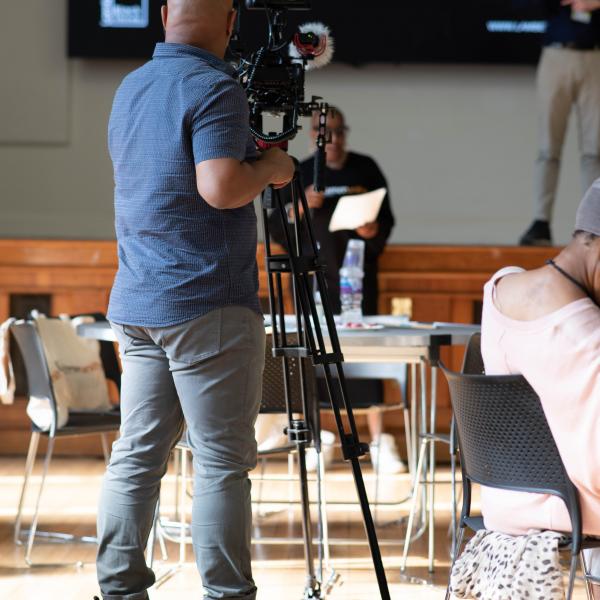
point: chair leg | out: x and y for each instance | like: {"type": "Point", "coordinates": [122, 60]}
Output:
{"type": "Point", "coordinates": [432, 470]}
{"type": "Point", "coordinates": [291, 489]}
{"type": "Point", "coordinates": [37, 503]}
{"type": "Point", "coordinates": [453, 519]}
{"type": "Point", "coordinates": [459, 539]}
{"type": "Point", "coordinates": [176, 469]}
{"type": "Point", "coordinates": [408, 437]}
{"type": "Point", "coordinates": [572, 573]}
{"type": "Point", "coordinates": [261, 482]}
{"type": "Point", "coordinates": [323, 517]}
{"type": "Point", "coordinates": [453, 502]}
{"type": "Point", "coordinates": [413, 419]}
{"type": "Point", "coordinates": [152, 537]}
{"type": "Point", "coordinates": [377, 472]}
{"type": "Point", "coordinates": [589, 586]}
{"type": "Point", "coordinates": [105, 447]}
{"type": "Point", "coordinates": [29, 463]}
{"type": "Point", "coordinates": [413, 504]}
{"type": "Point", "coordinates": [182, 505]}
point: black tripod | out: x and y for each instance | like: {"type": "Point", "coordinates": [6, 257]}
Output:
{"type": "Point", "coordinates": [302, 263]}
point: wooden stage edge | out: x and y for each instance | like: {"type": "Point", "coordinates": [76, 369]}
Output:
{"type": "Point", "coordinates": [441, 283]}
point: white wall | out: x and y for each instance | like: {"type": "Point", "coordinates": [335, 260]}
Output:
{"type": "Point", "coordinates": [456, 143]}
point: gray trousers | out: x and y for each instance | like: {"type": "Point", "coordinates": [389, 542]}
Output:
{"type": "Point", "coordinates": [208, 371]}
{"type": "Point", "coordinates": [566, 79]}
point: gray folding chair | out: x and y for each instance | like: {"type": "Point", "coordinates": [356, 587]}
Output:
{"type": "Point", "coordinates": [39, 385]}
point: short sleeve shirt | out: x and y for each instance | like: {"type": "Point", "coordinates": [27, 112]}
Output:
{"type": "Point", "coordinates": [179, 257]}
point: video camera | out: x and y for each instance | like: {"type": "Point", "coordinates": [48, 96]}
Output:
{"type": "Point", "coordinates": [274, 76]}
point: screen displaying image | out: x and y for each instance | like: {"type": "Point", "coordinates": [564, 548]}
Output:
{"type": "Point", "coordinates": [114, 28]}
{"type": "Point", "coordinates": [494, 31]}
{"type": "Point", "coordinates": [119, 14]}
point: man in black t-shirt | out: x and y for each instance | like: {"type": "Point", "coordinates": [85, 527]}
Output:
{"type": "Point", "coordinates": [347, 173]}
{"type": "Point", "coordinates": [350, 173]}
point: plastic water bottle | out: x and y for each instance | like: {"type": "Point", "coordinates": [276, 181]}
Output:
{"type": "Point", "coordinates": [351, 282]}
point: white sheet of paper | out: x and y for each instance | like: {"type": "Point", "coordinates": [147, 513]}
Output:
{"type": "Point", "coordinates": [355, 211]}
{"type": "Point", "coordinates": [581, 16]}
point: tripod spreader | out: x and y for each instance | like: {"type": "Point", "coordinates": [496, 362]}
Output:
{"type": "Point", "coordinates": [299, 432]}
{"type": "Point", "coordinates": [353, 449]}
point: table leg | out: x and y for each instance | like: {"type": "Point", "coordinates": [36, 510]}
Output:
{"type": "Point", "coordinates": [423, 426]}
{"type": "Point", "coordinates": [432, 426]}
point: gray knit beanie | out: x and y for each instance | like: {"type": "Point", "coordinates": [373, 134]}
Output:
{"type": "Point", "coordinates": [588, 213]}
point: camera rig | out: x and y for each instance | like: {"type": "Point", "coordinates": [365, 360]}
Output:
{"type": "Point", "coordinates": [274, 77]}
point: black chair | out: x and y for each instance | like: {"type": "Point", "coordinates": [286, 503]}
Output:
{"type": "Point", "coordinates": [273, 401]}
{"type": "Point", "coordinates": [39, 385]}
{"type": "Point", "coordinates": [505, 443]}
{"type": "Point", "coordinates": [473, 361]}
{"type": "Point", "coordinates": [472, 365]}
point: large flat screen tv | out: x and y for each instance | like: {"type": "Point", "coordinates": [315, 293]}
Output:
{"type": "Point", "coordinates": [476, 31]}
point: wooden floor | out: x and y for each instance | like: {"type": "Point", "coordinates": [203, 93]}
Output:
{"type": "Point", "coordinates": [69, 504]}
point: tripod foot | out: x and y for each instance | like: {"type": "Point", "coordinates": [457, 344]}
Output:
{"type": "Point", "coordinates": [312, 591]}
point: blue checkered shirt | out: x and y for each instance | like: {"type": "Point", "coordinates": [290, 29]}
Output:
{"type": "Point", "coordinates": [179, 258]}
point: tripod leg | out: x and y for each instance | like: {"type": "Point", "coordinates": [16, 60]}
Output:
{"type": "Point", "coordinates": [312, 585]}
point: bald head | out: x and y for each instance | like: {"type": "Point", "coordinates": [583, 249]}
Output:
{"type": "Point", "coordinates": [207, 24]}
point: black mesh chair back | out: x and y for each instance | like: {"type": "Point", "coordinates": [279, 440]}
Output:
{"type": "Point", "coordinates": [505, 441]}
{"type": "Point", "coordinates": [473, 361]}
{"type": "Point", "coordinates": [36, 368]}
{"type": "Point", "coordinates": [273, 395]}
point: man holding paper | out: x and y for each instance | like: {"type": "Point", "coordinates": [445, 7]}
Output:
{"type": "Point", "coordinates": [349, 177]}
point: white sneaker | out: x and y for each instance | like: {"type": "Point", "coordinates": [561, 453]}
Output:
{"type": "Point", "coordinates": [327, 451]}
{"type": "Point", "coordinates": [277, 440]}
{"type": "Point", "coordinates": [384, 455]}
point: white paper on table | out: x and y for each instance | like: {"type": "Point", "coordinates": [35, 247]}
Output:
{"type": "Point", "coordinates": [355, 211]}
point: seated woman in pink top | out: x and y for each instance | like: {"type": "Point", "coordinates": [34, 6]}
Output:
{"type": "Point", "coordinates": [545, 324]}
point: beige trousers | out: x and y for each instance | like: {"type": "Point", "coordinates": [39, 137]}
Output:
{"type": "Point", "coordinates": [566, 79]}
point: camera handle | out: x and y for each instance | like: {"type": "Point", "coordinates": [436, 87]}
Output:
{"type": "Point", "coordinates": [302, 263]}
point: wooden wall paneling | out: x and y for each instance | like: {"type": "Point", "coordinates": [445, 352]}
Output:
{"type": "Point", "coordinates": [80, 302]}
{"type": "Point", "coordinates": [444, 283]}
{"type": "Point", "coordinates": [4, 306]}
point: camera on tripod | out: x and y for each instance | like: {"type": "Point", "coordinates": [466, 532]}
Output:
{"type": "Point", "coordinates": [274, 76]}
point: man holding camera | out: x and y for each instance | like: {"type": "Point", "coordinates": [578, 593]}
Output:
{"type": "Point", "coordinates": [568, 76]}
{"type": "Point", "coordinates": [184, 304]}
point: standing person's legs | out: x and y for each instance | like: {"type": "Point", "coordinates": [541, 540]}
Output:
{"type": "Point", "coordinates": [588, 117]}
{"type": "Point", "coordinates": [152, 422]}
{"type": "Point", "coordinates": [555, 99]}
{"type": "Point", "coordinates": [217, 364]}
